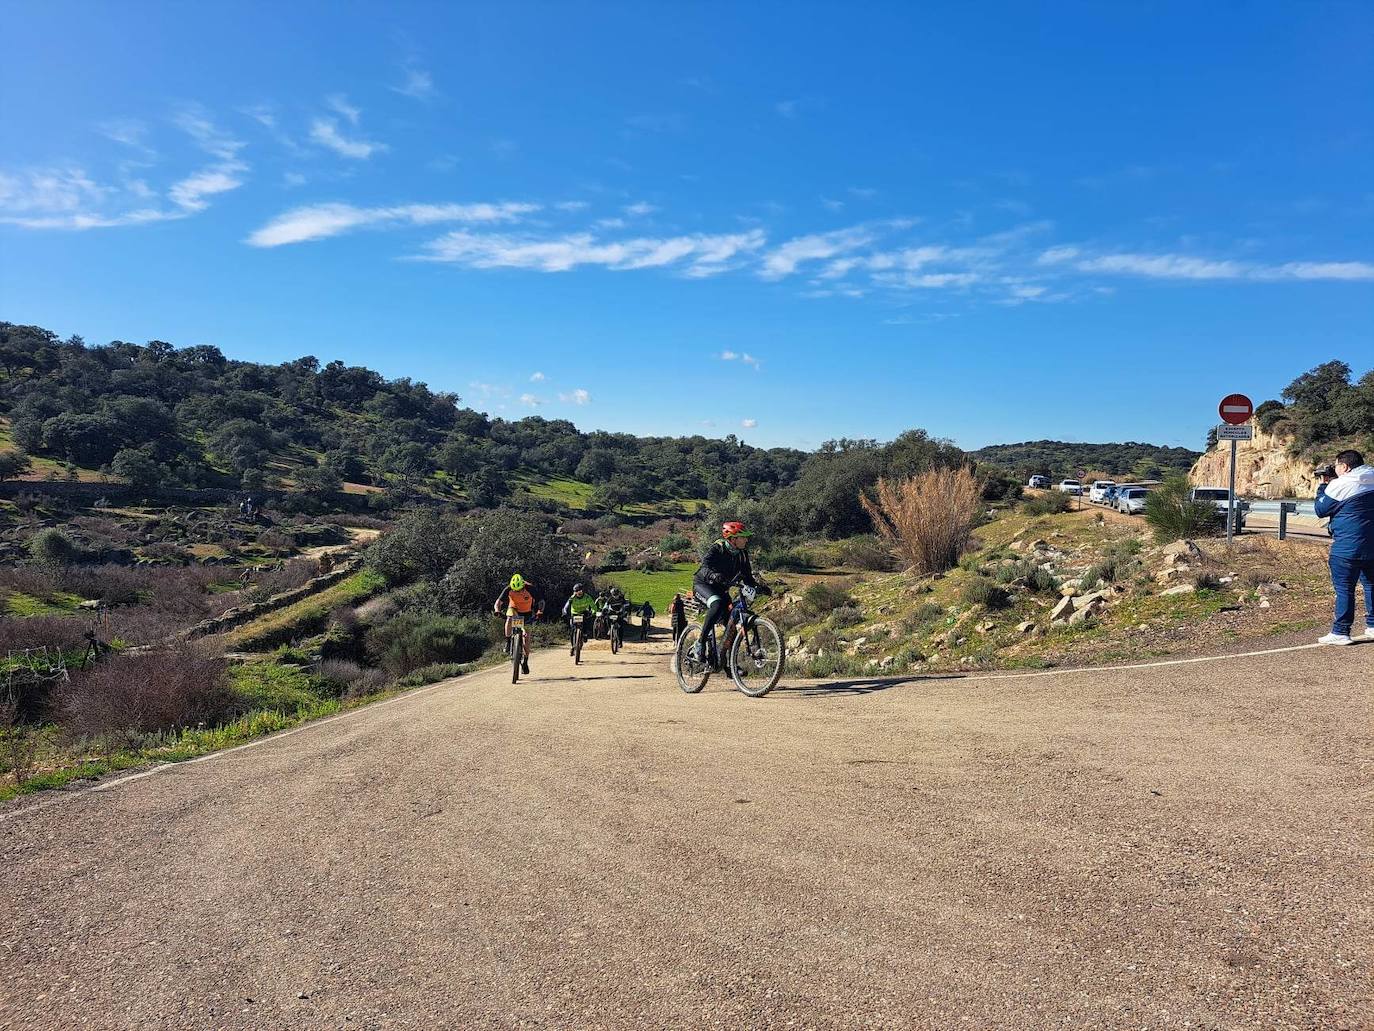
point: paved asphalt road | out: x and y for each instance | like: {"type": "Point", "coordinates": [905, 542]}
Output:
{"type": "Point", "coordinates": [1182, 846]}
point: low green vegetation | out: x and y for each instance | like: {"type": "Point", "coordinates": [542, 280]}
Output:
{"type": "Point", "coordinates": [657, 588]}
{"type": "Point", "coordinates": [306, 615]}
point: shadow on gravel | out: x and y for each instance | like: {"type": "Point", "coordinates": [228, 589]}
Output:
{"type": "Point", "coordinates": [863, 686]}
{"type": "Point", "coordinates": [579, 680]}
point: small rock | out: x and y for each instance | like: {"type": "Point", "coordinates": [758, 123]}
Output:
{"type": "Point", "coordinates": [1068, 590]}
{"type": "Point", "coordinates": [1264, 603]}
{"type": "Point", "coordinates": [983, 628]}
{"type": "Point", "coordinates": [1179, 589]}
{"type": "Point", "coordinates": [1062, 611]}
{"type": "Point", "coordinates": [794, 642]}
{"type": "Point", "coordinates": [960, 640]}
{"type": "Point", "coordinates": [887, 662]}
{"type": "Point", "coordinates": [1026, 627]}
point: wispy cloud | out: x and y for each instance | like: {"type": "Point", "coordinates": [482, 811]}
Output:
{"type": "Point", "coordinates": [786, 259]}
{"type": "Point", "coordinates": [576, 397]}
{"type": "Point", "coordinates": [339, 103]}
{"type": "Point", "coordinates": [746, 358]}
{"type": "Point", "coordinates": [696, 255]}
{"type": "Point", "coordinates": [1191, 267]}
{"type": "Point", "coordinates": [749, 424]}
{"type": "Point", "coordinates": [530, 401]}
{"type": "Point", "coordinates": [787, 108]}
{"type": "Point", "coordinates": [319, 221]}
{"type": "Point", "coordinates": [68, 197]}
{"type": "Point", "coordinates": [572, 205]}
{"type": "Point", "coordinates": [325, 132]}
{"type": "Point", "coordinates": [639, 209]}
{"type": "Point", "coordinates": [418, 84]}
{"type": "Point", "coordinates": [537, 377]}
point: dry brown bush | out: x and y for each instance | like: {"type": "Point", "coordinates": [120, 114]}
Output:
{"type": "Point", "coordinates": [928, 518]}
{"type": "Point", "coordinates": [157, 691]}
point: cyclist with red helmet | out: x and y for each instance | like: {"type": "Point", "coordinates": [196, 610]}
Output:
{"type": "Point", "coordinates": [726, 562]}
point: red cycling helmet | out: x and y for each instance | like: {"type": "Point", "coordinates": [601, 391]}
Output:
{"type": "Point", "coordinates": [732, 529]}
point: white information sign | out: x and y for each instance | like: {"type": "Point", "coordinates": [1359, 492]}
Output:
{"type": "Point", "coordinates": [1225, 432]}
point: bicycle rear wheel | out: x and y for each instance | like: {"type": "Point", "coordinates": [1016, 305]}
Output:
{"type": "Point", "coordinates": [757, 658]}
{"type": "Point", "coordinates": [615, 638]}
{"type": "Point", "coordinates": [577, 647]}
{"type": "Point", "coordinates": [517, 652]}
{"type": "Point", "coordinates": [691, 674]}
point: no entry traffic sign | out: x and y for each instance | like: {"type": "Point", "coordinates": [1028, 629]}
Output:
{"type": "Point", "coordinates": [1235, 409]}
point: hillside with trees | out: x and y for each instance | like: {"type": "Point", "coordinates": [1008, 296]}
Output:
{"type": "Point", "coordinates": [1322, 409]}
{"type": "Point", "coordinates": [1058, 459]}
{"type": "Point", "coordinates": [155, 415]}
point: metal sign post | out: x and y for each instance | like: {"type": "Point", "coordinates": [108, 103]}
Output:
{"type": "Point", "coordinates": [1235, 411]}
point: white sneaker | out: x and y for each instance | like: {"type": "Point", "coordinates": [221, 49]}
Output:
{"type": "Point", "coordinates": [1369, 633]}
{"type": "Point", "coordinates": [1335, 639]}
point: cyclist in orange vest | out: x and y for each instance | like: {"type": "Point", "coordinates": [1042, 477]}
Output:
{"type": "Point", "coordinates": [518, 600]}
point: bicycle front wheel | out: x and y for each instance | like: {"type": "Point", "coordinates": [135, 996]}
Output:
{"type": "Point", "coordinates": [691, 674]}
{"type": "Point", "coordinates": [577, 647]}
{"type": "Point", "coordinates": [517, 652]}
{"type": "Point", "coordinates": [615, 639]}
{"type": "Point", "coordinates": [757, 658]}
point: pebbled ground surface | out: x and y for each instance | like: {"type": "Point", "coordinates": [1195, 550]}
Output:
{"type": "Point", "coordinates": [1183, 846]}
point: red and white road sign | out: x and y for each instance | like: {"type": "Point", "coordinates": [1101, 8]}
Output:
{"type": "Point", "coordinates": [1235, 409]}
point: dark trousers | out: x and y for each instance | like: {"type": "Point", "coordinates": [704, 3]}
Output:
{"type": "Point", "coordinates": [679, 624]}
{"type": "Point", "coordinates": [1345, 578]}
{"type": "Point", "coordinates": [644, 630]}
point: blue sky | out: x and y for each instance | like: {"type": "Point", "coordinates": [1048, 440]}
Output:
{"type": "Point", "coordinates": [787, 221]}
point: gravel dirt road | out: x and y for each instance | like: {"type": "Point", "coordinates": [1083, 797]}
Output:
{"type": "Point", "coordinates": [1180, 846]}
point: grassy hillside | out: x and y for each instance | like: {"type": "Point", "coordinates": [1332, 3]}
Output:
{"type": "Point", "coordinates": [1058, 459]}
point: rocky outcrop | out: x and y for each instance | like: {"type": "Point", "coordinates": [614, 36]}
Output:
{"type": "Point", "coordinates": [1264, 468]}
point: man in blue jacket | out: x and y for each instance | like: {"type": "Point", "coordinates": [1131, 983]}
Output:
{"type": "Point", "coordinates": [1348, 501]}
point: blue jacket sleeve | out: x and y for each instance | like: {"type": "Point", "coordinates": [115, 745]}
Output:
{"type": "Point", "coordinates": [1325, 506]}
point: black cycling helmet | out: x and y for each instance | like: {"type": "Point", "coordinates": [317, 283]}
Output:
{"type": "Point", "coordinates": [576, 588]}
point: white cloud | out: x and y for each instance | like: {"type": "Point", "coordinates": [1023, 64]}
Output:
{"type": "Point", "coordinates": [697, 255]}
{"type": "Point", "coordinates": [193, 121]}
{"type": "Point", "coordinates": [1057, 255]}
{"type": "Point", "coordinates": [318, 221]}
{"type": "Point", "coordinates": [190, 193]}
{"type": "Point", "coordinates": [325, 132]}
{"type": "Point", "coordinates": [1162, 266]}
{"type": "Point", "coordinates": [1360, 271]}
{"type": "Point", "coordinates": [529, 400]}
{"type": "Point", "coordinates": [749, 424]}
{"type": "Point", "coordinates": [576, 397]}
{"type": "Point", "coordinates": [340, 104]}
{"type": "Point", "coordinates": [639, 209]}
{"type": "Point", "coordinates": [538, 377]}
{"type": "Point", "coordinates": [572, 205]}
{"type": "Point", "coordinates": [728, 356]}
{"type": "Point", "coordinates": [610, 223]}
{"type": "Point", "coordinates": [418, 84]}
{"type": "Point", "coordinates": [745, 358]}
{"type": "Point", "coordinates": [783, 260]}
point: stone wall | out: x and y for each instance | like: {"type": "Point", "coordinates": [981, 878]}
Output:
{"type": "Point", "coordinates": [241, 614]}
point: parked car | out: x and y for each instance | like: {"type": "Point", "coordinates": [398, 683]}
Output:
{"type": "Point", "coordinates": [1097, 493]}
{"type": "Point", "coordinates": [1039, 482]}
{"type": "Point", "coordinates": [1070, 487]}
{"type": "Point", "coordinates": [1221, 498]}
{"type": "Point", "coordinates": [1130, 499]}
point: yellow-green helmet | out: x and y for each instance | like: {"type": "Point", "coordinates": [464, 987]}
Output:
{"type": "Point", "coordinates": [517, 582]}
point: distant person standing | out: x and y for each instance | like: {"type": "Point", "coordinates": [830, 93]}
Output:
{"type": "Point", "coordinates": [646, 616]}
{"type": "Point", "coordinates": [678, 613]}
{"type": "Point", "coordinates": [1347, 499]}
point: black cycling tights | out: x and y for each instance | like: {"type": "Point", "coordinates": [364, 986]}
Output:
{"type": "Point", "coordinates": [715, 608]}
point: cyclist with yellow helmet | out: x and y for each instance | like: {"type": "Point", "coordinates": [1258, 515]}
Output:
{"type": "Point", "coordinates": [517, 599]}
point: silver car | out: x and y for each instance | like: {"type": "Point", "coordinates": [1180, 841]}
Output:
{"type": "Point", "coordinates": [1131, 500]}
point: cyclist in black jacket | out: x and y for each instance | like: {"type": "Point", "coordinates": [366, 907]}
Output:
{"type": "Point", "coordinates": [725, 562]}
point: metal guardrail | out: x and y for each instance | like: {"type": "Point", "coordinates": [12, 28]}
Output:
{"type": "Point", "coordinates": [1283, 510]}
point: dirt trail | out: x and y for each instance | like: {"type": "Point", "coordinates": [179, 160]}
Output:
{"type": "Point", "coordinates": [1167, 847]}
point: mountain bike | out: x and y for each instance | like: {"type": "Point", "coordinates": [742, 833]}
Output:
{"type": "Point", "coordinates": [578, 635]}
{"type": "Point", "coordinates": [515, 646]}
{"type": "Point", "coordinates": [617, 633]}
{"type": "Point", "coordinates": [753, 647]}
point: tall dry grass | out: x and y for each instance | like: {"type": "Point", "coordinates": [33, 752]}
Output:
{"type": "Point", "coordinates": [928, 518]}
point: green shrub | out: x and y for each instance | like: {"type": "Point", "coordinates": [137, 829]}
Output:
{"type": "Point", "coordinates": [821, 598]}
{"type": "Point", "coordinates": [615, 559]}
{"type": "Point", "coordinates": [924, 617]}
{"type": "Point", "coordinates": [52, 547]}
{"type": "Point", "coordinates": [1207, 582]}
{"type": "Point", "coordinates": [823, 640]}
{"type": "Point", "coordinates": [1048, 503]}
{"type": "Point", "coordinates": [432, 674]}
{"type": "Point", "coordinates": [414, 639]}
{"type": "Point", "coordinates": [865, 552]}
{"type": "Point", "coordinates": [846, 615]}
{"type": "Point", "coordinates": [675, 542]}
{"type": "Point", "coordinates": [1042, 581]}
{"type": "Point", "coordinates": [784, 560]}
{"type": "Point", "coordinates": [982, 591]}
{"type": "Point", "coordinates": [1172, 514]}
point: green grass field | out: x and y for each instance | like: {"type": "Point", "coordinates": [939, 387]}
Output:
{"type": "Point", "coordinates": [657, 588]}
